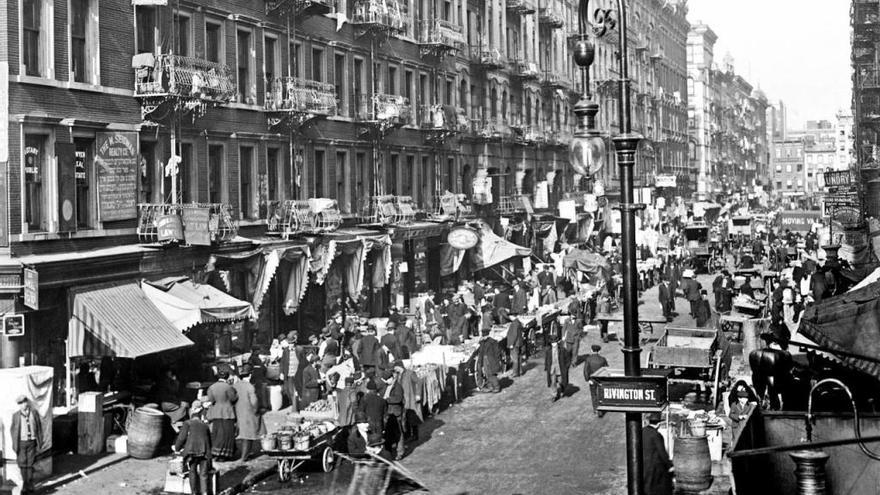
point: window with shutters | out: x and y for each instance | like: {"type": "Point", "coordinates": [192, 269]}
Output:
{"type": "Point", "coordinates": [391, 187]}
{"type": "Point", "coordinates": [246, 88]}
{"type": "Point", "coordinates": [214, 51]}
{"type": "Point", "coordinates": [35, 164]}
{"type": "Point", "coordinates": [318, 175]}
{"type": "Point", "coordinates": [84, 52]}
{"type": "Point", "coordinates": [362, 176]}
{"type": "Point", "coordinates": [145, 26]}
{"type": "Point", "coordinates": [318, 65]}
{"type": "Point", "coordinates": [271, 61]}
{"type": "Point", "coordinates": [406, 176]}
{"type": "Point", "coordinates": [36, 30]}
{"type": "Point", "coordinates": [273, 166]}
{"type": "Point", "coordinates": [340, 75]}
{"type": "Point", "coordinates": [216, 161]}
{"type": "Point", "coordinates": [182, 36]}
{"type": "Point", "coordinates": [247, 189]}
{"type": "Point", "coordinates": [426, 196]}
{"type": "Point", "coordinates": [341, 192]}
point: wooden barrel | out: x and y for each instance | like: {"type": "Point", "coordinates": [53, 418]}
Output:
{"type": "Point", "coordinates": [145, 432]}
{"type": "Point", "coordinates": [693, 465]}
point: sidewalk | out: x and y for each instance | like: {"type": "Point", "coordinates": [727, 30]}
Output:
{"type": "Point", "coordinates": [120, 474]}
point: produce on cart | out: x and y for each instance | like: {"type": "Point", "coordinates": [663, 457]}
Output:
{"type": "Point", "coordinates": [294, 445]}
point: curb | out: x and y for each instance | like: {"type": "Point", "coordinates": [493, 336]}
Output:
{"type": "Point", "coordinates": [71, 477]}
{"type": "Point", "coordinates": [249, 481]}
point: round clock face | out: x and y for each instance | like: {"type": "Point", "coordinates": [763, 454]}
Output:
{"type": "Point", "coordinates": [462, 238]}
{"type": "Point", "coordinates": [67, 210]}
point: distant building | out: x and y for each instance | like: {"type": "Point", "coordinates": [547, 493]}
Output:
{"type": "Point", "coordinates": [843, 140]}
{"type": "Point", "coordinates": [728, 119]}
{"type": "Point", "coordinates": [787, 164]}
{"type": "Point", "coordinates": [777, 121]}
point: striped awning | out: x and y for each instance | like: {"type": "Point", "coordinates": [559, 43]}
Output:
{"type": "Point", "coordinates": [118, 319]}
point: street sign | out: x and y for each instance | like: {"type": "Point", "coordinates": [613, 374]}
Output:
{"type": "Point", "coordinates": [665, 181]}
{"type": "Point", "coordinates": [197, 226]}
{"type": "Point", "coordinates": [13, 325]}
{"type": "Point", "coordinates": [841, 200]}
{"type": "Point", "coordinates": [838, 178]}
{"type": "Point", "coordinates": [31, 288]}
{"type": "Point", "coordinates": [619, 393]}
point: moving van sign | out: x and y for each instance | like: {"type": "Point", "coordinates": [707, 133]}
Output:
{"type": "Point", "coordinates": [616, 392]}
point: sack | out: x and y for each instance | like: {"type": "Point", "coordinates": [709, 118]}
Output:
{"type": "Point", "coordinates": [273, 371]}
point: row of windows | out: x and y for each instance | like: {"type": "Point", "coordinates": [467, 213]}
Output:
{"type": "Point", "coordinates": [265, 173]}
{"type": "Point", "coordinates": [37, 40]}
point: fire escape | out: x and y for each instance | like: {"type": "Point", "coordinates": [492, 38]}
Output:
{"type": "Point", "coordinates": [170, 87]}
{"type": "Point", "coordinates": [865, 17]}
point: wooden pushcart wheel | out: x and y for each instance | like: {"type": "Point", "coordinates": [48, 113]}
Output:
{"type": "Point", "coordinates": [328, 460]}
{"type": "Point", "coordinates": [283, 472]}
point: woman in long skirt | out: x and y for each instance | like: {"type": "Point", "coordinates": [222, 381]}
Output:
{"type": "Point", "coordinates": [221, 415]}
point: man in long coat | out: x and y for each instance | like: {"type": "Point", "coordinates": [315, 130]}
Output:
{"type": "Point", "coordinates": [667, 298]}
{"type": "Point", "coordinates": [657, 474]}
{"type": "Point", "coordinates": [246, 417]}
{"type": "Point", "coordinates": [520, 303]}
{"type": "Point", "coordinates": [515, 344]}
{"type": "Point", "coordinates": [458, 321]}
{"type": "Point", "coordinates": [593, 363]}
{"type": "Point", "coordinates": [489, 361]}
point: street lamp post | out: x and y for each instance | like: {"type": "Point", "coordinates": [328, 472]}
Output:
{"type": "Point", "coordinates": [587, 157]}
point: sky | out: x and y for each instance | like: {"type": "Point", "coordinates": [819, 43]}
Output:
{"type": "Point", "coordinates": [797, 51]}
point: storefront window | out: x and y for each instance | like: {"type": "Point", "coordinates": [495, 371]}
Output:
{"type": "Point", "coordinates": [34, 169]}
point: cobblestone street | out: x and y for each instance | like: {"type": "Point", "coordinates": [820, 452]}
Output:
{"type": "Point", "coordinates": [518, 441]}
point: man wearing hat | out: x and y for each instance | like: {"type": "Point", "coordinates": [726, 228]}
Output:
{"type": "Point", "coordinates": [374, 407]}
{"type": "Point", "coordinates": [292, 364]}
{"type": "Point", "coordinates": [515, 343]}
{"type": "Point", "coordinates": [593, 363]}
{"type": "Point", "coordinates": [194, 443]}
{"type": "Point", "coordinates": [489, 362]}
{"type": "Point", "coordinates": [27, 435]}
{"type": "Point", "coordinates": [394, 426]}
{"type": "Point", "coordinates": [520, 303]}
{"type": "Point", "coordinates": [458, 321]}
{"type": "Point", "coordinates": [657, 474]}
{"type": "Point", "coordinates": [246, 415]}
{"type": "Point", "coordinates": [691, 289]}
{"type": "Point", "coordinates": [311, 381]}
{"type": "Point", "coordinates": [739, 411]}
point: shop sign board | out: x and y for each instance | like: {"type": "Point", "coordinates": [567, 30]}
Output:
{"type": "Point", "coordinates": [665, 181]}
{"type": "Point", "coordinates": [462, 237]}
{"type": "Point", "coordinates": [838, 178]}
{"type": "Point", "coordinates": [116, 161]}
{"type": "Point", "coordinates": [619, 393]}
{"type": "Point", "coordinates": [31, 288]}
{"type": "Point", "coordinates": [169, 228]}
{"type": "Point", "coordinates": [197, 226]}
{"type": "Point", "coordinates": [13, 325]}
{"type": "Point", "coordinates": [798, 221]}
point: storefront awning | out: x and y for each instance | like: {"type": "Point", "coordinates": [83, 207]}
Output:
{"type": "Point", "coordinates": [118, 319]}
{"type": "Point", "coordinates": [493, 250]}
{"type": "Point", "coordinates": [186, 303]}
{"type": "Point", "coordinates": [848, 323]}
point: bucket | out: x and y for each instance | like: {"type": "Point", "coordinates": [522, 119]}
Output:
{"type": "Point", "coordinates": [285, 441]}
{"type": "Point", "coordinates": [275, 398]}
{"type": "Point", "coordinates": [698, 428]}
{"type": "Point", "coordinates": [301, 442]}
{"type": "Point", "coordinates": [268, 442]}
{"type": "Point", "coordinates": [145, 432]}
{"type": "Point", "coordinates": [693, 465]}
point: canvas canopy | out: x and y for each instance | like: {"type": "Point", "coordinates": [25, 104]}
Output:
{"type": "Point", "coordinates": [592, 264]}
{"type": "Point", "coordinates": [187, 304]}
{"type": "Point", "coordinates": [848, 323]}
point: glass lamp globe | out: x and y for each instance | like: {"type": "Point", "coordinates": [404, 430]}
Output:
{"type": "Point", "coordinates": [587, 153]}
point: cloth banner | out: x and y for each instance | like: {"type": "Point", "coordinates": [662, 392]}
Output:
{"type": "Point", "coordinates": [450, 260]}
{"type": "Point", "coordinates": [322, 259]}
{"type": "Point", "coordinates": [297, 283]}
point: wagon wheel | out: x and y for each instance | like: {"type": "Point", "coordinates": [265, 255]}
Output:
{"type": "Point", "coordinates": [328, 460]}
{"type": "Point", "coordinates": [284, 469]}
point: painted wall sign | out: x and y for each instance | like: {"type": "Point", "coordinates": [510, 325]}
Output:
{"type": "Point", "coordinates": [116, 160]}
{"type": "Point", "coordinates": [462, 238]}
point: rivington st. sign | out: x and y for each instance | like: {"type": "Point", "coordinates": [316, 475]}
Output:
{"type": "Point", "coordinates": [616, 392]}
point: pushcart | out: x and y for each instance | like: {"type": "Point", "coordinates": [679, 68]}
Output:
{"type": "Point", "coordinates": [695, 355]}
{"type": "Point", "coordinates": [320, 449]}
